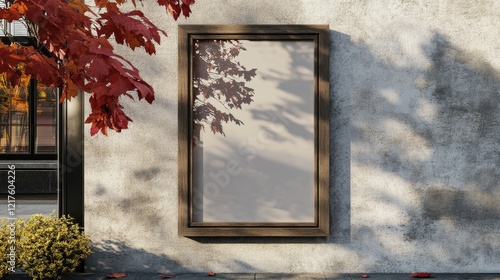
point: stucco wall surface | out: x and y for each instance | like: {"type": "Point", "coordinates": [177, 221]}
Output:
{"type": "Point", "coordinates": [415, 147]}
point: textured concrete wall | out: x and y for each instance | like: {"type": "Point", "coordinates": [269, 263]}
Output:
{"type": "Point", "coordinates": [415, 141]}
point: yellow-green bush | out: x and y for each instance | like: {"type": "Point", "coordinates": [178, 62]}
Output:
{"type": "Point", "coordinates": [4, 247]}
{"type": "Point", "coordinates": [51, 246]}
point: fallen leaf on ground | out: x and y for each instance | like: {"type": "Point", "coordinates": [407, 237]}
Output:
{"type": "Point", "coordinates": [116, 275]}
{"type": "Point", "coordinates": [364, 275]}
{"type": "Point", "coordinates": [421, 275]}
{"type": "Point", "coordinates": [164, 276]}
{"type": "Point", "coordinates": [211, 273]}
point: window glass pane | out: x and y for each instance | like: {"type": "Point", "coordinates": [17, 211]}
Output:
{"type": "Point", "coordinates": [19, 28]}
{"type": "Point", "coordinates": [46, 117]}
{"type": "Point", "coordinates": [260, 168]}
{"type": "Point", "coordinates": [14, 118]}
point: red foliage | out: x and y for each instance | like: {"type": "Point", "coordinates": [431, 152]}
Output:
{"type": "Point", "coordinates": [421, 275]}
{"type": "Point", "coordinates": [73, 51]}
{"type": "Point", "coordinates": [116, 275]}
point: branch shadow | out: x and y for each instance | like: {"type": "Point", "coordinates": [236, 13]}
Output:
{"type": "Point", "coordinates": [417, 146]}
{"type": "Point", "coordinates": [109, 254]}
{"type": "Point", "coordinates": [432, 131]}
{"type": "Point", "coordinates": [413, 162]}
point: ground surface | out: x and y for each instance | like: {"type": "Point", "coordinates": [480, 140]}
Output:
{"type": "Point", "coordinates": [237, 276]}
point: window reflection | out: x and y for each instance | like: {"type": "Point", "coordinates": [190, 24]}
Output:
{"type": "Point", "coordinates": [46, 120]}
{"type": "Point", "coordinates": [14, 119]}
{"type": "Point", "coordinates": [17, 106]}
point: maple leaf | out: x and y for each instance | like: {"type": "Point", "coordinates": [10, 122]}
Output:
{"type": "Point", "coordinates": [101, 3]}
{"type": "Point", "coordinates": [132, 28]}
{"type": "Point", "coordinates": [185, 10]}
{"type": "Point", "coordinates": [420, 275]}
{"type": "Point", "coordinates": [14, 78]}
{"type": "Point", "coordinates": [20, 7]}
{"type": "Point", "coordinates": [149, 47]}
{"type": "Point", "coordinates": [97, 67]}
{"type": "Point", "coordinates": [70, 90]}
{"type": "Point", "coordinates": [79, 7]}
{"type": "Point", "coordinates": [116, 275]}
{"type": "Point", "coordinates": [13, 12]}
{"type": "Point", "coordinates": [174, 10]}
{"type": "Point", "coordinates": [43, 71]}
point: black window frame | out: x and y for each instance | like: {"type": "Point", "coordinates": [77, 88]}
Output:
{"type": "Point", "coordinates": [69, 151]}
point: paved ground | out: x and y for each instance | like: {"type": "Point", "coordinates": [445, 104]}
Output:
{"type": "Point", "coordinates": [249, 276]}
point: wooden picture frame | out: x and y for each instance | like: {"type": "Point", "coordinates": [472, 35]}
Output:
{"type": "Point", "coordinates": [253, 130]}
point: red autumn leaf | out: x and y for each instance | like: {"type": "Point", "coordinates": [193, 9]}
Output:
{"type": "Point", "coordinates": [185, 10]}
{"type": "Point", "coordinates": [70, 90]}
{"type": "Point", "coordinates": [211, 273]}
{"type": "Point", "coordinates": [132, 28]}
{"type": "Point", "coordinates": [116, 275]}
{"type": "Point", "coordinates": [21, 7]}
{"type": "Point", "coordinates": [364, 275]}
{"type": "Point", "coordinates": [174, 10]}
{"type": "Point", "coordinates": [165, 276]}
{"type": "Point", "coordinates": [79, 7]}
{"type": "Point", "coordinates": [14, 12]}
{"type": "Point", "coordinates": [421, 275]}
{"type": "Point", "coordinates": [150, 47]}
{"type": "Point", "coordinates": [101, 3]}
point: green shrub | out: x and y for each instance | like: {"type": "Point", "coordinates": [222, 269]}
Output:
{"type": "Point", "coordinates": [51, 246]}
{"type": "Point", "coordinates": [4, 247]}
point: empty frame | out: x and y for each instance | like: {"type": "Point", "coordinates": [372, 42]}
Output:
{"type": "Point", "coordinates": [253, 130]}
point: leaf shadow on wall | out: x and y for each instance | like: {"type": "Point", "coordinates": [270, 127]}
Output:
{"type": "Point", "coordinates": [423, 141]}
{"type": "Point", "coordinates": [268, 186]}
{"type": "Point", "coordinates": [293, 81]}
{"type": "Point", "coordinates": [417, 146]}
{"type": "Point", "coordinates": [424, 144]}
{"type": "Point", "coordinates": [107, 252]}
{"type": "Point", "coordinates": [110, 256]}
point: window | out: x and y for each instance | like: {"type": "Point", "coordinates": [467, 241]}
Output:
{"type": "Point", "coordinates": [28, 120]}
{"type": "Point", "coordinates": [42, 139]}
{"type": "Point", "coordinates": [28, 112]}
{"type": "Point", "coordinates": [29, 139]}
